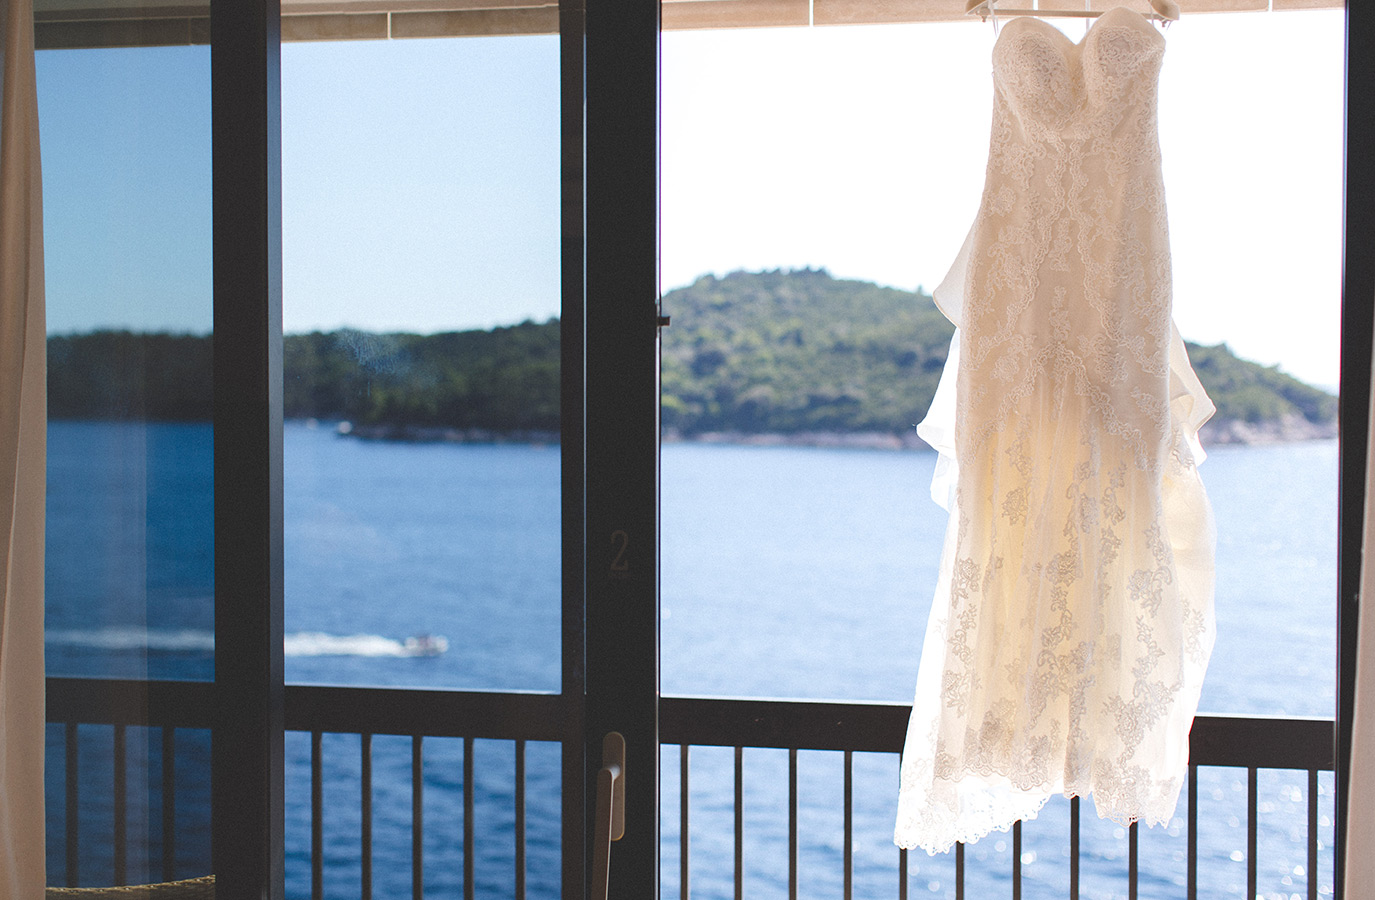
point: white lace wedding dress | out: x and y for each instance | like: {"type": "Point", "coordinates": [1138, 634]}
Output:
{"type": "Point", "coordinates": [1073, 618]}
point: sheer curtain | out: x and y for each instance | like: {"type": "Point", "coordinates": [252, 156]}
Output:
{"type": "Point", "coordinates": [23, 438]}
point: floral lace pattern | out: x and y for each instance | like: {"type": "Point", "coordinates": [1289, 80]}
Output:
{"type": "Point", "coordinates": [1073, 617]}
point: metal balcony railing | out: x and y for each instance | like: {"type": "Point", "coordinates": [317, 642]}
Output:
{"type": "Point", "coordinates": [83, 707]}
{"type": "Point", "coordinates": [1249, 743]}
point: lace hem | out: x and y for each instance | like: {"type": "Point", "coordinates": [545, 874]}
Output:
{"type": "Point", "coordinates": [939, 841]}
{"type": "Point", "coordinates": [909, 835]}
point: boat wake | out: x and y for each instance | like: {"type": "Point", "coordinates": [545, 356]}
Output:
{"type": "Point", "coordinates": [131, 638]}
{"type": "Point", "coordinates": [318, 643]}
{"type": "Point", "coordinates": [301, 643]}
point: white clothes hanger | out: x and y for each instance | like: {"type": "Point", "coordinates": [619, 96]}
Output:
{"type": "Point", "coordinates": [1165, 11]}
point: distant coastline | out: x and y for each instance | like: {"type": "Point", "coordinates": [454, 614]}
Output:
{"type": "Point", "coordinates": [428, 434]}
{"type": "Point", "coordinates": [768, 358]}
{"type": "Point", "coordinates": [1292, 429]}
{"type": "Point", "coordinates": [1284, 430]}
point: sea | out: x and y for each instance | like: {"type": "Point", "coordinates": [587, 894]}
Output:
{"type": "Point", "coordinates": [791, 572]}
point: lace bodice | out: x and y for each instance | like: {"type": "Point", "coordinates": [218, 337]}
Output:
{"type": "Point", "coordinates": [1073, 618]}
{"type": "Point", "coordinates": [1072, 256]}
{"type": "Point", "coordinates": [1064, 89]}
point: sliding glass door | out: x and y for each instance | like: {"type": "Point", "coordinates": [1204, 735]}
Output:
{"type": "Point", "coordinates": [130, 586]}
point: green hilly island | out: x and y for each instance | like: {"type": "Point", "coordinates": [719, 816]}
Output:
{"type": "Point", "coordinates": [784, 355]}
{"type": "Point", "coordinates": [790, 352]}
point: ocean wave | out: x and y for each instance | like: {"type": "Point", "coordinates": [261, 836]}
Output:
{"type": "Point", "coordinates": [302, 643]}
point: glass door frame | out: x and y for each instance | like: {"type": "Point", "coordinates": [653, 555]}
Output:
{"type": "Point", "coordinates": [248, 739]}
{"type": "Point", "coordinates": [610, 320]}
{"type": "Point", "coordinates": [619, 248]}
{"type": "Point", "coordinates": [1354, 395]}
{"type": "Point", "coordinates": [609, 437]}
{"type": "Point", "coordinates": [622, 213]}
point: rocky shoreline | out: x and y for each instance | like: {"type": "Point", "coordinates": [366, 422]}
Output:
{"type": "Point", "coordinates": [1290, 429]}
{"type": "Point", "coordinates": [430, 434]}
{"type": "Point", "coordinates": [1215, 433]}
{"type": "Point", "coordinates": [859, 440]}
{"type": "Point", "coordinates": [1286, 430]}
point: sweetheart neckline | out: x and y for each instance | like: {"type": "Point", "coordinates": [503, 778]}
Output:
{"type": "Point", "coordinates": [1135, 17]}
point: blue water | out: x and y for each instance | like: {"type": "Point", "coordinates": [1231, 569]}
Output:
{"type": "Point", "coordinates": [808, 573]}
{"type": "Point", "coordinates": [398, 540]}
{"type": "Point", "coordinates": [786, 572]}
{"type": "Point", "coordinates": [130, 550]}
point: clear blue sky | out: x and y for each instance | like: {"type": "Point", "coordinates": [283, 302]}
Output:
{"type": "Point", "coordinates": [126, 187]}
{"type": "Point", "coordinates": [421, 177]}
{"type": "Point", "coordinates": [420, 183]}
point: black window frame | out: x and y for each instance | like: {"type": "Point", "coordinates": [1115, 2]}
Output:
{"type": "Point", "coordinates": [610, 322]}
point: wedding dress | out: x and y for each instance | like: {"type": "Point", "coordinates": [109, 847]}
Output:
{"type": "Point", "coordinates": [1073, 615]}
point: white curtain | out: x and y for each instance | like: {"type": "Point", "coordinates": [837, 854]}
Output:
{"type": "Point", "coordinates": [23, 434]}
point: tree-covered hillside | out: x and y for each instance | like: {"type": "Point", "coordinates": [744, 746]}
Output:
{"type": "Point", "coordinates": [785, 352]}
{"type": "Point", "coordinates": [799, 351]}
{"type": "Point", "coordinates": [1246, 392]}
{"type": "Point", "coordinates": [128, 375]}
{"type": "Point", "coordinates": [769, 353]}
{"type": "Point", "coordinates": [505, 380]}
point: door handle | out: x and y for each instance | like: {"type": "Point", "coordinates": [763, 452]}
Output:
{"type": "Point", "coordinates": [610, 821]}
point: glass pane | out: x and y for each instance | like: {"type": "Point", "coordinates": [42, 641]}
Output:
{"type": "Point", "coordinates": [795, 499]}
{"type": "Point", "coordinates": [421, 260]}
{"type": "Point", "coordinates": [817, 183]}
{"type": "Point", "coordinates": [130, 505]}
{"type": "Point", "coordinates": [421, 443]}
{"type": "Point", "coordinates": [126, 165]}
{"type": "Point", "coordinates": [805, 345]}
